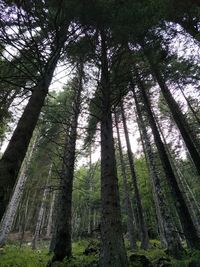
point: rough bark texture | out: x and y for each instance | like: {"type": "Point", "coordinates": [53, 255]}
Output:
{"type": "Point", "coordinates": [189, 229]}
{"type": "Point", "coordinates": [9, 216]}
{"type": "Point", "coordinates": [129, 211]}
{"type": "Point", "coordinates": [167, 229]}
{"type": "Point", "coordinates": [142, 223]}
{"type": "Point", "coordinates": [113, 251]}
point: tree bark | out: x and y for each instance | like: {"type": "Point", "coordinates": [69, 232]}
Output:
{"type": "Point", "coordinates": [142, 223]}
{"type": "Point", "coordinates": [9, 216]}
{"type": "Point", "coordinates": [113, 251]}
{"type": "Point", "coordinates": [189, 229]}
{"type": "Point", "coordinates": [168, 231]}
{"type": "Point", "coordinates": [129, 211]}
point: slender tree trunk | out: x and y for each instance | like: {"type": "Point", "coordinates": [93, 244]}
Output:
{"type": "Point", "coordinates": [142, 224]}
{"type": "Point", "coordinates": [129, 211]}
{"type": "Point", "coordinates": [113, 251]}
{"type": "Point", "coordinates": [168, 232]}
{"type": "Point", "coordinates": [16, 150]}
{"type": "Point", "coordinates": [189, 229]}
{"type": "Point", "coordinates": [24, 223]}
{"type": "Point", "coordinates": [50, 217]}
{"type": "Point", "coordinates": [9, 216]}
{"type": "Point", "coordinates": [63, 243]}
{"type": "Point", "coordinates": [90, 174]}
{"type": "Point", "coordinates": [177, 115]}
{"type": "Point", "coordinates": [41, 212]}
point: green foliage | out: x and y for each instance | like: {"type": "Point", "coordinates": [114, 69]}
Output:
{"type": "Point", "coordinates": [14, 256]}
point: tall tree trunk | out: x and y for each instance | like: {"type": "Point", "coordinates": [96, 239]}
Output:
{"type": "Point", "coordinates": [63, 243]}
{"type": "Point", "coordinates": [142, 223]}
{"type": "Point", "coordinates": [189, 229]}
{"type": "Point", "coordinates": [177, 114]}
{"type": "Point", "coordinates": [168, 231]}
{"type": "Point", "coordinates": [129, 211]}
{"type": "Point", "coordinates": [16, 150]}
{"type": "Point", "coordinates": [9, 216]}
{"type": "Point", "coordinates": [41, 212]}
{"type": "Point", "coordinates": [113, 251]}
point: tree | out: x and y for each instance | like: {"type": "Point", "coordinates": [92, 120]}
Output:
{"type": "Point", "coordinates": [112, 251]}
{"type": "Point", "coordinates": [142, 224]}
{"type": "Point", "coordinates": [14, 154]}
{"type": "Point", "coordinates": [129, 211]}
{"type": "Point", "coordinates": [176, 112]}
{"type": "Point", "coordinates": [167, 229]}
{"type": "Point", "coordinates": [63, 231]}
{"type": "Point", "coordinates": [189, 229]}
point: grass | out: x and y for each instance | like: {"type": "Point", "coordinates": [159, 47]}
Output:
{"type": "Point", "coordinates": [14, 256]}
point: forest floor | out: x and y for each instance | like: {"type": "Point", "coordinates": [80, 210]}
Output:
{"type": "Point", "coordinates": [86, 255]}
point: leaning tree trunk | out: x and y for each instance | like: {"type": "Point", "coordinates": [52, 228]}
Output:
{"type": "Point", "coordinates": [113, 251]}
{"type": "Point", "coordinates": [142, 223]}
{"type": "Point", "coordinates": [129, 211]}
{"type": "Point", "coordinates": [189, 229]}
{"type": "Point", "coordinates": [168, 231]}
{"type": "Point", "coordinates": [9, 216]}
{"type": "Point", "coordinates": [41, 212]}
{"type": "Point", "coordinates": [16, 150]}
{"type": "Point", "coordinates": [62, 239]}
{"type": "Point", "coordinates": [177, 114]}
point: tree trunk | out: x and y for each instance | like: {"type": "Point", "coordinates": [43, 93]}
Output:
{"type": "Point", "coordinates": [9, 216]}
{"type": "Point", "coordinates": [129, 211]}
{"type": "Point", "coordinates": [142, 224]}
{"type": "Point", "coordinates": [168, 232]}
{"type": "Point", "coordinates": [189, 229]}
{"type": "Point", "coordinates": [16, 150]}
{"type": "Point", "coordinates": [63, 244]}
{"type": "Point", "coordinates": [177, 115]}
{"type": "Point", "coordinates": [50, 217]}
{"type": "Point", "coordinates": [113, 251]}
{"type": "Point", "coordinates": [41, 212]}
{"type": "Point", "coordinates": [24, 222]}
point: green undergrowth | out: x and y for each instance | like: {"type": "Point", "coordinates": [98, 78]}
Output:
{"type": "Point", "coordinates": [14, 256]}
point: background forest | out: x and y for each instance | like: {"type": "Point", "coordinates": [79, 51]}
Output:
{"type": "Point", "coordinates": [99, 133]}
